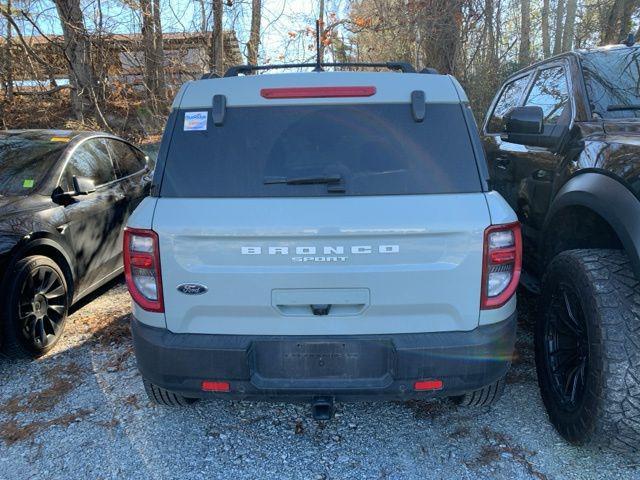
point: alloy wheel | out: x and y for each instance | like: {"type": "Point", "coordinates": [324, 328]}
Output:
{"type": "Point", "coordinates": [43, 306]}
{"type": "Point", "coordinates": [567, 348]}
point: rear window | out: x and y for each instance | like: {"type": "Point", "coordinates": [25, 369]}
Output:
{"type": "Point", "coordinates": [375, 149]}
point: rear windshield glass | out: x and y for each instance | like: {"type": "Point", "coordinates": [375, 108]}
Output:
{"type": "Point", "coordinates": [366, 149]}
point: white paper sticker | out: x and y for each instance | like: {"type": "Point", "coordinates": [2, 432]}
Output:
{"type": "Point", "coordinates": [195, 121]}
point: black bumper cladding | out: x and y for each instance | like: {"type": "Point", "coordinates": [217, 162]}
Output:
{"type": "Point", "coordinates": [359, 367]}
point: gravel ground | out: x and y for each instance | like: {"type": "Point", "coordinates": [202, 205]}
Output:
{"type": "Point", "coordinates": [81, 412]}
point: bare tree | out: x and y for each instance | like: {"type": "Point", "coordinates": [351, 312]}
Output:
{"type": "Point", "coordinates": [544, 25]}
{"type": "Point", "coordinates": [569, 26]}
{"type": "Point", "coordinates": [152, 47]}
{"type": "Point", "coordinates": [77, 48]}
{"type": "Point", "coordinates": [491, 34]}
{"type": "Point", "coordinates": [629, 9]}
{"type": "Point", "coordinates": [8, 56]}
{"type": "Point", "coordinates": [612, 26]}
{"type": "Point", "coordinates": [217, 39]}
{"type": "Point", "coordinates": [159, 53]}
{"type": "Point", "coordinates": [524, 53]}
{"type": "Point", "coordinates": [557, 42]}
{"type": "Point", "coordinates": [254, 36]}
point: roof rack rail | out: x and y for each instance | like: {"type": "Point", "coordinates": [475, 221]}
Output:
{"type": "Point", "coordinates": [244, 69]}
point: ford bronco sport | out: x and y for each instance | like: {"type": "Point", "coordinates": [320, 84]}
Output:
{"type": "Point", "coordinates": [563, 145]}
{"type": "Point", "coordinates": [323, 236]}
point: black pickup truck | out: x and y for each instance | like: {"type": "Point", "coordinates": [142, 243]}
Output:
{"type": "Point", "coordinates": [562, 139]}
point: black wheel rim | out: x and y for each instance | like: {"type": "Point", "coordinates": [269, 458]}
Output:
{"type": "Point", "coordinates": [43, 306]}
{"type": "Point", "coordinates": [567, 348]}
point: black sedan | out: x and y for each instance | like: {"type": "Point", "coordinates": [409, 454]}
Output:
{"type": "Point", "coordinates": [64, 200]}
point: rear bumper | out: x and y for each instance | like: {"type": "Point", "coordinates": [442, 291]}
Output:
{"type": "Point", "coordinates": [359, 367]}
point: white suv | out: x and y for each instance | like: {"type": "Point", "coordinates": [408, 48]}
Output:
{"type": "Point", "coordinates": [323, 236]}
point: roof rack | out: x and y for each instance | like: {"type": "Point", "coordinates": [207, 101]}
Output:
{"type": "Point", "coordinates": [245, 69]}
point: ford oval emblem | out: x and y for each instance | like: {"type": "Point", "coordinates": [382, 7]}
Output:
{"type": "Point", "coordinates": [192, 289]}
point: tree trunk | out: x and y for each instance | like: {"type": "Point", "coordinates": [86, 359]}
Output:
{"type": "Point", "coordinates": [321, 27]}
{"type": "Point", "coordinates": [254, 36]}
{"type": "Point", "coordinates": [491, 34]}
{"type": "Point", "coordinates": [569, 25]}
{"type": "Point", "coordinates": [546, 38]}
{"type": "Point", "coordinates": [148, 47]}
{"type": "Point", "coordinates": [498, 28]}
{"type": "Point", "coordinates": [161, 87]}
{"type": "Point", "coordinates": [8, 58]}
{"type": "Point", "coordinates": [77, 47]}
{"type": "Point", "coordinates": [625, 19]}
{"type": "Point", "coordinates": [217, 40]}
{"type": "Point", "coordinates": [612, 27]}
{"type": "Point", "coordinates": [557, 42]}
{"type": "Point", "coordinates": [203, 16]}
{"type": "Point", "coordinates": [524, 54]}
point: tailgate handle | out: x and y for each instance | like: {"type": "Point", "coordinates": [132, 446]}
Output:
{"type": "Point", "coordinates": [320, 310]}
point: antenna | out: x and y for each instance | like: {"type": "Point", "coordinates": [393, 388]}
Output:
{"type": "Point", "coordinates": [318, 59]}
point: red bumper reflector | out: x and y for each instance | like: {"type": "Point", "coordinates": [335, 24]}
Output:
{"type": "Point", "coordinates": [424, 385]}
{"type": "Point", "coordinates": [209, 386]}
{"type": "Point", "coordinates": [317, 92]}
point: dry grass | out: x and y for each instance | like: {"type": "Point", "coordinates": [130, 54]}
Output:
{"type": "Point", "coordinates": [499, 444]}
{"type": "Point", "coordinates": [62, 379]}
{"type": "Point", "coordinates": [114, 331]}
{"type": "Point", "coordinates": [11, 431]}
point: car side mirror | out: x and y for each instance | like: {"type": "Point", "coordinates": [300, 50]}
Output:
{"type": "Point", "coordinates": [83, 185]}
{"type": "Point", "coordinates": [524, 121]}
{"type": "Point", "coordinates": [525, 126]}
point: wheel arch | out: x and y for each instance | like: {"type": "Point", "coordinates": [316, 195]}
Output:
{"type": "Point", "coordinates": [600, 198]}
{"type": "Point", "coordinates": [43, 243]}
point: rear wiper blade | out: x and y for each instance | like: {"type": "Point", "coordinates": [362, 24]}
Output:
{"type": "Point", "coordinates": [303, 180]}
{"type": "Point", "coordinates": [620, 106]}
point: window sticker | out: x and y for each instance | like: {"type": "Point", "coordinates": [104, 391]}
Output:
{"type": "Point", "coordinates": [195, 121]}
{"type": "Point", "coordinates": [61, 139]}
{"type": "Point", "coordinates": [27, 183]}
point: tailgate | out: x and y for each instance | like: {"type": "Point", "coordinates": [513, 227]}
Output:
{"type": "Point", "coordinates": [322, 266]}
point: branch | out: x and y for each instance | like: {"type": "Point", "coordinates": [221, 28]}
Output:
{"type": "Point", "coordinates": [44, 92]}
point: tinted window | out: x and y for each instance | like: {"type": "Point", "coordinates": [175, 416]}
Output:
{"type": "Point", "coordinates": [509, 99]}
{"type": "Point", "coordinates": [613, 82]}
{"type": "Point", "coordinates": [550, 92]}
{"type": "Point", "coordinates": [376, 149]}
{"type": "Point", "coordinates": [91, 159]}
{"type": "Point", "coordinates": [26, 161]}
{"type": "Point", "coordinates": [127, 160]}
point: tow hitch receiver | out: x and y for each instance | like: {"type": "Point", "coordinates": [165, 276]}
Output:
{"type": "Point", "coordinates": [322, 408]}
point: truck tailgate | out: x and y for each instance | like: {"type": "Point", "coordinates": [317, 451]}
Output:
{"type": "Point", "coordinates": [322, 266]}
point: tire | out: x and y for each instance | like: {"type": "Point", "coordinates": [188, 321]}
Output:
{"type": "Point", "coordinates": [160, 396]}
{"type": "Point", "coordinates": [33, 311]}
{"type": "Point", "coordinates": [483, 397]}
{"type": "Point", "coordinates": [591, 299]}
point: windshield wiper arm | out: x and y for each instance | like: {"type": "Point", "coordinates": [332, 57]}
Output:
{"type": "Point", "coordinates": [620, 106]}
{"type": "Point", "coordinates": [328, 179]}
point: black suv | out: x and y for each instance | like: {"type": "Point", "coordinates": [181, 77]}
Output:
{"type": "Point", "coordinates": [64, 199]}
{"type": "Point", "coordinates": [562, 139]}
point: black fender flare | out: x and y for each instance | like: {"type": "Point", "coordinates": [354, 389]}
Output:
{"type": "Point", "coordinates": [38, 239]}
{"type": "Point", "coordinates": [610, 199]}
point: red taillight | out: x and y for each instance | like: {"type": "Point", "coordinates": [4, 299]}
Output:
{"type": "Point", "coordinates": [501, 264]}
{"type": "Point", "coordinates": [211, 386]}
{"type": "Point", "coordinates": [425, 385]}
{"type": "Point", "coordinates": [141, 256]}
{"type": "Point", "coordinates": [317, 92]}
